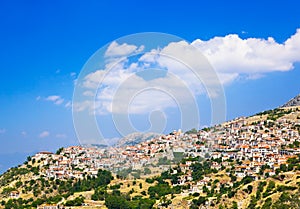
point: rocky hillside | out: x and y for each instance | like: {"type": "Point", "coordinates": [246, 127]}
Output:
{"type": "Point", "coordinates": [293, 102]}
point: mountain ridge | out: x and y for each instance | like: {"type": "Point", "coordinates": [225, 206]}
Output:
{"type": "Point", "coordinates": [293, 102]}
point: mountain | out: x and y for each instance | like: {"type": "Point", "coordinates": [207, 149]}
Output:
{"type": "Point", "coordinates": [135, 138]}
{"type": "Point", "coordinates": [293, 102]}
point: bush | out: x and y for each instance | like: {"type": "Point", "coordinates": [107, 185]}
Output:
{"type": "Point", "coordinates": [116, 186]}
{"type": "Point", "coordinates": [149, 181]}
{"type": "Point", "coordinates": [196, 194]}
{"type": "Point", "coordinates": [249, 189]}
{"type": "Point", "coordinates": [247, 180]}
{"type": "Point", "coordinates": [76, 202]}
{"type": "Point", "coordinates": [252, 204]}
{"type": "Point", "coordinates": [159, 190]}
{"type": "Point", "coordinates": [267, 204]}
{"type": "Point", "coordinates": [269, 189]}
{"type": "Point", "coordinates": [234, 205]}
{"type": "Point", "coordinates": [198, 202]}
{"type": "Point", "coordinates": [116, 202]}
{"type": "Point", "coordinates": [283, 188]}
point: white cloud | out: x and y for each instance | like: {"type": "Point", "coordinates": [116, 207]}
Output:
{"type": "Point", "coordinates": [139, 95]}
{"type": "Point", "coordinates": [55, 99]}
{"type": "Point", "coordinates": [61, 136]}
{"type": "Point", "coordinates": [89, 93]}
{"type": "Point", "coordinates": [232, 57]}
{"type": "Point", "coordinates": [125, 86]}
{"type": "Point", "coordinates": [23, 133]}
{"type": "Point", "coordinates": [72, 74]}
{"type": "Point", "coordinates": [92, 80]}
{"type": "Point", "coordinates": [44, 134]}
{"type": "Point", "coordinates": [188, 64]}
{"type": "Point", "coordinates": [232, 54]}
{"type": "Point", "coordinates": [2, 131]}
{"type": "Point", "coordinates": [120, 88]}
{"type": "Point", "coordinates": [68, 104]}
{"type": "Point", "coordinates": [121, 50]}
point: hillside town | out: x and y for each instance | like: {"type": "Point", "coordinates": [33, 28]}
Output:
{"type": "Point", "coordinates": [255, 142]}
{"type": "Point", "coordinates": [214, 164]}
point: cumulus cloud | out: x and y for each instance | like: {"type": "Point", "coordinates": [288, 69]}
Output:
{"type": "Point", "coordinates": [122, 50]}
{"type": "Point", "coordinates": [133, 87]}
{"type": "Point", "coordinates": [44, 134]}
{"type": "Point", "coordinates": [232, 54]}
{"type": "Point", "coordinates": [58, 100]}
{"type": "Point", "coordinates": [136, 95]}
{"type": "Point", "coordinates": [2, 131]}
{"type": "Point", "coordinates": [123, 82]}
{"type": "Point", "coordinates": [188, 64]}
{"type": "Point", "coordinates": [23, 133]}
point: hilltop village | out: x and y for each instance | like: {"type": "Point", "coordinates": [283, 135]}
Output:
{"type": "Point", "coordinates": [240, 159]}
{"type": "Point", "coordinates": [256, 142]}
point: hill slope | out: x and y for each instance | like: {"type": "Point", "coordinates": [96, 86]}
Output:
{"type": "Point", "coordinates": [293, 102]}
{"type": "Point", "coordinates": [231, 179]}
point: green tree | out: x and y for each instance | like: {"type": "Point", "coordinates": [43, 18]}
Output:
{"type": "Point", "coordinates": [234, 205]}
{"type": "Point", "coordinates": [59, 150]}
{"type": "Point", "coordinates": [192, 131]}
{"type": "Point", "coordinates": [28, 158]}
{"type": "Point", "coordinates": [249, 189]}
{"type": "Point", "coordinates": [76, 202]}
{"type": "Point", "coordinates": [116, 202]}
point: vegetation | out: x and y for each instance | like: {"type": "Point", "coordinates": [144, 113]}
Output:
{"type": "Point", "coordinates": [41, 189]}
{"type": "Point", "coordinates": [222, 187]}
{"type": "Point", "coordinates": [192, 131]}
{"type": "Point", "coordinates": [78, 201]}
{"type": "Point", "coordinates": [287, 201]}
{"type": "Point", "coordinates": [161, 189]}
{"type": "Point", "coordinates": [13, 174]}
{"type": "Point", "coordinates": [121, 201]}
{"type": "Point", "coordinates": [275, 113]}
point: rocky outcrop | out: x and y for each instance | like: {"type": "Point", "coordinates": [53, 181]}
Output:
{"type": "Point", "coordinates": [293, 102]}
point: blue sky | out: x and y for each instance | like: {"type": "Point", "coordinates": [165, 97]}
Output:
{"type": "Point", "coordinates": [44, 45]}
